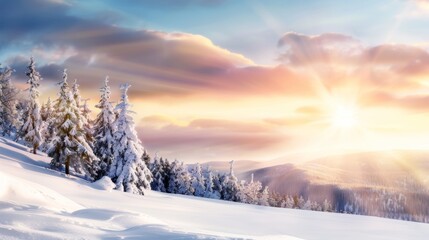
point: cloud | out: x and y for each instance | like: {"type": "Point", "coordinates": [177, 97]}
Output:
{"type": "Point", "coordinates": [395, 55]}
{"type": "Point", "coordinates": [415, 102]}
{"type": "Point", "coordinates": [174, 64]}
{"type": "Point", "coordinates": [210, 139]}
{"type": "Point", "coordinates": [325, 48]}
{"type": "Point", "coordinates": [176, 3]}
{"type": "Point", "coordinates": [156, 63]}
{"type": "Point", "coordinates": [333, 48]}
{"type": "Point", "coordinates": [30, 20]}
{"type": "Point", "coordinates": [339, 60]}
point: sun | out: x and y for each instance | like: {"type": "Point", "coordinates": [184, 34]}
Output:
{"type": "Point", "coordinates": [344, 117]}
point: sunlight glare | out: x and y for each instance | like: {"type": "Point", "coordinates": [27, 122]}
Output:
{"type": "Point", "coordinates": [344, 117]}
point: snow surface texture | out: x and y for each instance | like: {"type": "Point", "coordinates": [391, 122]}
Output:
{"type": "Point", "coordinates": [38, 203]}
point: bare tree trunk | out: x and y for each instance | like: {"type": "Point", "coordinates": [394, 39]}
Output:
{"type": "Point", "coordinates": [67, 165]}
{"type": "Point", "coordinates": [35, 149]}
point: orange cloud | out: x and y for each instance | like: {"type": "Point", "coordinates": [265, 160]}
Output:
{"type": "Point", "coordinates": [339, 61]}
{"type": "Point", "coordinates": [213, 139]}
{"type": "Point", "coordinates": [385, 99]}
{"type": "Point", "coordinates": [157, 63]}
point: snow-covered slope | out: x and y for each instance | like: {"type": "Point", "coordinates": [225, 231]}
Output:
{"type": "Point", "coordinates": [38, 203]}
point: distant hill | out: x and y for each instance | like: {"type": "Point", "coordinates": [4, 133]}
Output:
{"type": "Point", "coordinates": [400, 178]}
{"type": "Point", "coordinates": [401, 170]}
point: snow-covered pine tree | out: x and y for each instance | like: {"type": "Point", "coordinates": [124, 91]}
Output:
{"type": "Point", "coordinates": [43, 111]}
{"type": "Point", "coordinates": [230, 186]}
{"type": "Point", "coordinates": [84, 114]}
{"type": "Point", "coordinates": [22, 106]}
{"type": "Point", "coordinates": [179, 179]}
{"type": "Point", "coordinates": [197, 181]}
{"type": "Point", "coordinates": [76, 94]}
{"type": "Point", "coordinates": [155, 164]}
{"type": "Point", "coordinates": [307, 205]}
{"type": "Point", "coordinates": [47, 110]}
{"type": "Point", "coordinates": [128, 170]}
{"type": "Point", "coordinates": [88, 124]}
{"type": "Point", "coordinates": [218, 180]}
{"type": "Point", "coordinates": [30, 131]}
{"type": "Point", "coordinates": [315, 206]}
{"type": "Point", "coordinates": [242, 194]}
{"type": "Point", "coordinates": [252, 191]}
{"type": "Point", "coordinates": [173, 176]}
{"type": "Point", "coordinates": [104, 129]}
{"type": "Point", "coordinates": [166, 171]}
{"type": "Point", "coordinates": [264, 197]}
{"type": "Point", "coordinates": [157, 173]}
{"type": "Point", "coordinates": [8, 101]}
{"type": "Point", "coordinates": [327, 206]}
{"type": "Point", "coordinates": [289, 202]}
{"type": "Point", "coordinates": [300, 202]}
{"type": "Point", "coordinates": [210, 191]}
{"type": "Point", "coordinates": [146, 158]}
{"type": "Point", "coordinates": [184, 181]}
{"type": "Point", "coordinates": [47, 113]}
{"type": "Point", "coordinates": [159, 182]}
{"type": "Point", "coordinates": [68, 148]}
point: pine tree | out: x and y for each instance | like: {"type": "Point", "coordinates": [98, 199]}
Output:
{"type": "Point", "coordinates": [327, 206]}
{"type": "Point", "coordinates": [47, 113]}
{"type": "Point", "coordinates": [289, 202]}
{"type": "Point", "coordinates": [264, 197]}
{"type": "Point", "coordinates": [158, 175]}
{"type": "Point", "coordinates": [230, 186]}
{"type": "Point", "coordinates": [104, 129]}
{"type": "Point", "coordinates": [198, 181]}
{"type": "Point", "coordinates": [8, 102]}
{"type": "Point", "coordinates": [166, 171]}
{"type": "Point", "coordinates": [88, 123]}
{"type": "Point", "coordinates": [218, 180]}
{"type": "Point", "coordinates": [301, 202]}
{"type": "Point", "coordinates": [179, 179]}
{"type": "Point", "coordinates": [210, 191]}
{"type": "Point", "coordinates": [184, 181]}
{"type": "Point", "coordinates": [252, 191]}
{"type": "Point", "coordinates": [128, 170]}
{"type": "Point", "coordinates": [68, 147]}
{"type": "Point", "coordinates": [76, 94]}
{"type": "Point", "coordinates": [84, 114]}
{"type": "Point", "coordinates": [146, 158]}
{"type": "Point", "coordinates": [173, 176]}
{"type": "Point", "coordinates": [242, 193]}
{"type": "Point", "coordinates": [307, 205]}
{"type": "Point", "coordinates": [32, 127]}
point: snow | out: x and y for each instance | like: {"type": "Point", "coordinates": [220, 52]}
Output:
{"type": "Point", "coordinates": [39, 203]}
{"type": "Point", "coordinates": [104, 183]}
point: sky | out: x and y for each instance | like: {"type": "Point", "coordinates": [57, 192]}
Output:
{"type": "Point", "coordinates": [220, 80]}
